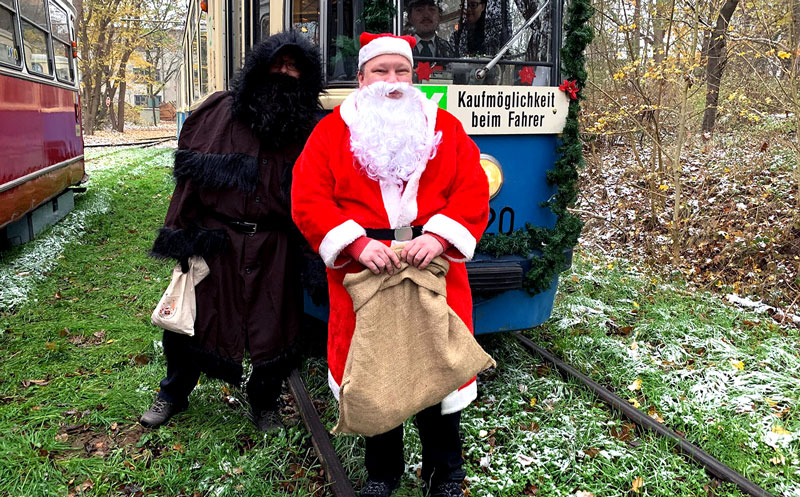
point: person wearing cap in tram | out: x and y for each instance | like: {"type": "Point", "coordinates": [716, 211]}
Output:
{"type": "Point", "coordinates": [424, 17]}
{"type": "Point", "coordinates": [388, 166]}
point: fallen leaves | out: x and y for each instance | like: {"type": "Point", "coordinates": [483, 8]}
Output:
{"type": "Point", "coordinates": [779, 459]}
{"type": "Point", "coordinates": [780, 430]}
{"type": "Point", "coordinates": [737, 364]}
{"type": "Point", "coordinates": [624, 433]}
{"type": "Point", "coordinates": [636, 385]}
{"type": "Point", "coordinates": [653, 413]}
{"type": "Point", "coordinates": [637, 484]}
{"type": "Point", "coordinates": [39, 383]}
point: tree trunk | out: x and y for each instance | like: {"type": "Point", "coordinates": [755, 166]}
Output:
{"type": "Point", "coordinates": [152, 97]}
{"type": "Point", "coordinates": [121, 72]}
{"type": "Point", "coordinates": [123, 87]}
{"type": "Point", "coordinates": [677, 169]}
{"type": "Point", "coordinates": [717, 58]}
{"type": "Point", "coordinates": [637, 32]}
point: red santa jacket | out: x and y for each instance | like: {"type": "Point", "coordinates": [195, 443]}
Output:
{"type": "Point", "coordinates": [333, 201]}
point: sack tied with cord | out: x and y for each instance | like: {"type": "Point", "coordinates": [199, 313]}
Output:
{"type": "Point", "coordinates": [409, 349]}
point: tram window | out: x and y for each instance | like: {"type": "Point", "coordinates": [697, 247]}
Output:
{"type": "Point", "coordinates": [203, 33]}
{"type": "Point", "coordinates": [34, 11]}
{"type": "Point", "coordinates": [58, 23]}
{"type": "Point", "coordinates": [61, 47]}
{"type": "Point", "coordinates": [64, 69]}
{"type": "Point", "coordinates": [9, 44]}
{"type": "Point", "coordinates": [457, 37]}
{"type": "Point", "coordinates": [346, 20]}
{"type": "Point", "coordinates": [195, 68]}
{"type": "Point", "coordinates": [305, 18]}
{"type": "Point", "coordinates": [34, 43]}
{"type": "Point", "coordinates": [263, 20]}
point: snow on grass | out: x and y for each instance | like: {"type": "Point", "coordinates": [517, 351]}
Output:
{"type": "Point", "coordinates": [36, 259]}
{"type": "Point", "coordinates": [728, 380]}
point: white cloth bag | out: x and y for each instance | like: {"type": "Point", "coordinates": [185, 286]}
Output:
{"type": "Point", "coordinates": [177, 308]}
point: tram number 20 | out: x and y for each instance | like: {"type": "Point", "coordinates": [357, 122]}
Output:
{"type": "Point", "coordinates": [505, 220]}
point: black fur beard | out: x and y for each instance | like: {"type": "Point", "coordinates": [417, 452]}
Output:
{"type": "Point", "coordinates": [277, 108]}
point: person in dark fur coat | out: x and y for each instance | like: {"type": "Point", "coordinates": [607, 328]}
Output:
{"type": "Point", "coordinates": [233, 171]}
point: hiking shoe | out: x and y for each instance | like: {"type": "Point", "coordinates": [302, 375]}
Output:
{"type": "Point", "coordinates": [268, 420]}
{"type": "Point", "coordinates": [379, 488]}
{"type": "Point", "coordinates": [447, 489]}
{"type": "Point", "coordinates": [160, 412]}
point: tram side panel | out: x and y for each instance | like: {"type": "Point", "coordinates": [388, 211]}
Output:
{"type": "Point", "coordinates": [41, 139]}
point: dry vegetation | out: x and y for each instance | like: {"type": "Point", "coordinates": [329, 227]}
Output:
{"type": "Point", "coordinates": [681, 180]}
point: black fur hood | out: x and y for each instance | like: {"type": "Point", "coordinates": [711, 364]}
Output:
{"type": "Point", "coordinates": [252, 106]}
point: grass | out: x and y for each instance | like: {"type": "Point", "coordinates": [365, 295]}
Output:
{"type": "Point", "coordinates": [729, 380]}
{"type": "Point", "coordinates": [81, 362]}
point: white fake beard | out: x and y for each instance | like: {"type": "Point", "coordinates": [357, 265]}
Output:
{"type": "Point", "coordinates": [390, 137]}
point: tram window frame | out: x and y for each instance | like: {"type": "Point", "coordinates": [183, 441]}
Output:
{"type": "Point", "coordinates": [194, 49]}
{"type": "Point", "coordinates": [10, 7]}
{"type": "Point", "coordinates": [263, 19]}
{"type": "Point", "coordinates": [546, 71]}
{"type": "Point", "coordinates": [56, 39]}
{"type": "Point", "coordinates": [23, 19]}
{"type": "Point", "coordinates": [202, 53]}
{"type": "Point", "coordinates": [504, 18]}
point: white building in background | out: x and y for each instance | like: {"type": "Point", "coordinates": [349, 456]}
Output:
{"type": "Point", "coordinates": [136, 93]}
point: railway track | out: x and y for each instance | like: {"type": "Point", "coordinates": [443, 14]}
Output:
{"type": "Point", "coordinates": [138, 143]}
{"type": "Point", "coordinates": [341, 486]}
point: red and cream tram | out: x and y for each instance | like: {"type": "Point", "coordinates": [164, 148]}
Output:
{"type": "Point", "coordinates": [41, 142]}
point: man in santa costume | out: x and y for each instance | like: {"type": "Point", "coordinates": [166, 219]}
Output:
{"type": "Point", "coordinates": [388, 167]}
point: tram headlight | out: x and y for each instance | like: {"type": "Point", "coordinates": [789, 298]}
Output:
{"type": "Point", "coordinates": [494, 173]}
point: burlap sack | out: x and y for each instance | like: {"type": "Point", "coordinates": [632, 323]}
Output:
{"type": "Point", "coordinates": [177, 308]}
{"type": "Point", "coordinates": [409, 349]}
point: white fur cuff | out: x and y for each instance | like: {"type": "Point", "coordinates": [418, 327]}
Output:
{"type": "Point", "coordinates": [460, 399]}
{"type": "Point", "coordinates": [454, 232]}
{"type": "Point", "coordinates": [335, 386]}
{"type": "Point", "coordinates": [338, 239]}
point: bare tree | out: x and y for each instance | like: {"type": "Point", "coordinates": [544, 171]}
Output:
{"type": "Point", "coordinates": [717, 59]}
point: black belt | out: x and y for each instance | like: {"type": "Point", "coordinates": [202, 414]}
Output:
{"type": "Point", "coordinates": [247, 227]}
{"type": "Point", "coordinates": [403, 234]}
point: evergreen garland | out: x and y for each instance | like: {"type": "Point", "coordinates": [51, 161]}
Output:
{"type": "Point", "coordinates": [551, 245]}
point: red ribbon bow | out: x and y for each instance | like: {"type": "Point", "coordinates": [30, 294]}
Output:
{"type": "Point", "coordinates": [571, 89]}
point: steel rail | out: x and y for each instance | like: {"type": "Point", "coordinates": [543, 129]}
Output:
{"type": "Point", "coordinates": [158, 139]}
{"type": "Point", "coordinates": [337, 477]}
{"type": "Point", "coordinates": [711, 464]}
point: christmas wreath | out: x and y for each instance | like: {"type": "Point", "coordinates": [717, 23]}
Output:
{"type": "Point", "coordinates": [552, 246]}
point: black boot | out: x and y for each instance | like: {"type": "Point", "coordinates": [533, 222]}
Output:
{"type": "Point", "coordinates": [445, 489]}
{"type": "Point", "coordinates": [379, 488]}
{"type": "Point", "coordinates": [160, 412]}
{"type": "Point", "coordinates": [267, 420]}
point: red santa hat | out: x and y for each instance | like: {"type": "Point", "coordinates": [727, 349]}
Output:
{"type": "Point", "coordinates": [373, 45]}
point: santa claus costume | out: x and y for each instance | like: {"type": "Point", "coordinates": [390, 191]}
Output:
{"type": "Point", "coordinates": [343, 190]}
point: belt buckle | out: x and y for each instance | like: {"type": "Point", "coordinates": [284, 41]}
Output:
{"type": "Point", "coordinates": [403, 234]}
{"type": "Point", "coordinates": [249, 228]}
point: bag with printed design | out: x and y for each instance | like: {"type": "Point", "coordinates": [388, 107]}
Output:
{"type": "Point", "coordinates": [177, 308]}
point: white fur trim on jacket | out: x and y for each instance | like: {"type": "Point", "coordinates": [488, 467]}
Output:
{"type": "Point", "coordinates": [337, 239]}
{"type": "Point", "coordinates": [460, 399]}
{"type": "Point", "coordinates": [333, 386]}
{"type": "Point", "coordinates": [454, 232]}
{"type": "Point", "coordinates": [454, 402]}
